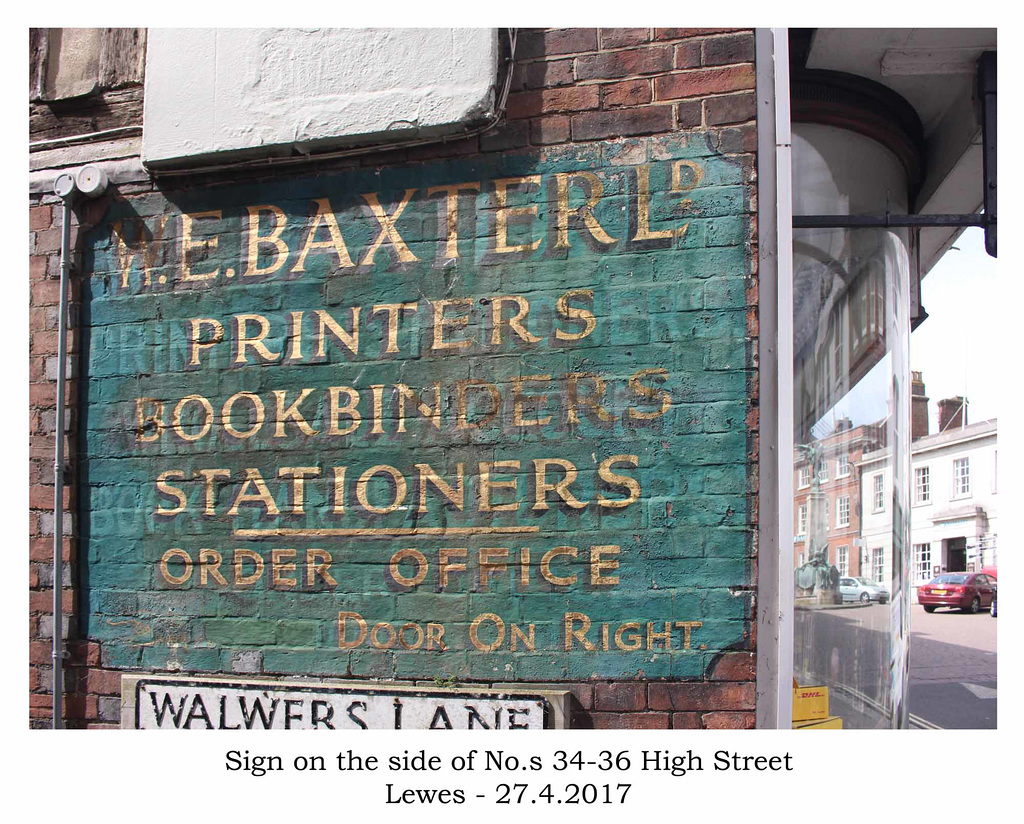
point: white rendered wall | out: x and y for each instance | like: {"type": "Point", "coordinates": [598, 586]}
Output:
{"type": "Point", "coordinates": [253, 92]}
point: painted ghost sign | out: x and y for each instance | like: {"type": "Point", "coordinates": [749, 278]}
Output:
{"type": "Point", "coordinates": [468, 420]}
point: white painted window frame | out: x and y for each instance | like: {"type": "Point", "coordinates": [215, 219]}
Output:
{"type": "Point", "coordinates": [840, 521]}
{"type": "Point", "coordinates": [926, 473]}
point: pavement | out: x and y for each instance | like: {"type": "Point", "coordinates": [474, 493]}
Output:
{"type": "Point", "coordinates": [952, 679]}
{"type": "Point", "coordinates": [952, 670]}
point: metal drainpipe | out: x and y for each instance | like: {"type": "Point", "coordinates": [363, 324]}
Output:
{"type": "Point", "coordinates": [91, 181]}
{"type": "Point", "coordinates": [66, 189]}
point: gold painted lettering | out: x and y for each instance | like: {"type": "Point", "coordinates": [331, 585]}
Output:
{"type": "Point", "coordinates": [435, 636]}
{"type": "Point", "coordinates": [419, 636]}
{"type": "Point", "coordinates": [278, 568]}
{"type": "Point", "coordinates": [629, 642]}
{"type": "Point", "coordinates": [518, 397]}
{"type": "Point", "coordinates": [141, 419]}
{"type": "Point", "coordinates": [209, 476]}
{"type": "Point", "coordinates": [605, 473]}
{"type": "Point", "coordinates": [357, 619]}
{"type": "Point", "coordinates": [524, 567]}
{"type": "Point", "coordinates": [339, 491]}
{"type": "Point", "coordinates": [397, 479]}
{"type": "Point", "coordinates": [209, 566]}
{"type": "Point", "coordinates": [195, 345]}
{"type": "Point", "coordinates": [179, 428]}
{"type": "Point", "coordinates": [171, 490]}
{"type": "Point", "coordinates": [318, 563]}
{"type": "Point", "coordinates": [649, 392]}
{"type": "Point", "coordinates": [126, 255]}
{"type": "Point", "coordinates": [187, 245]}
{"type": "Point", "coordinates": [542, 487]}
{"type": "Point", "coordinates": [445, 566]}
{"type": "Point", "coordinates": [419, 561]}
{"type": "Point", "coordinates": [261, 495]}
{"type": "Point", "coordinates": [244, 342]}
{"type": "Point", "coordinates": [291, 413]}
{"type": "Point", "coordinates": [325, 323]}
{"type": "Point", "coordinates": [241, 555]}
{"type": "Point", "coordinates": [274, 239]}
{"type": "Point", "coordinates": [335, 411]}
{"type": "Point", "coordinates": [484, 469]}
{"type": "Point", "coordinates": [504, 212]}
{"type": "Point", "coordinates": [164, 566]}
{"type": "Point", "coordinates": [259, 413]}
{"type": "Point", "coordinates": [574, 313]}
{"type": "Point", "coordinates": [572, 634]}
{"type": "Point", "coordinates": [591, 401]}
{"type": "Point", "coordinates": [474, 632]}
{"type": "Point", "coordinates": [336, 243]}
{"type": "Point", "coordinates": [492, 561]}
{"type": "Point", "coordinates": [432, 415]}
{"type": "Point", "coordinates": [528, 641]}
{"type": "Point", "coordinates": [456, 497]}
{"type": "Point", "coordinates": [643, 208]}
{"type": "Point", "coordinates": [298, 474]}
{"type": "Point", "coordinates": [387, 229]}
{"type": "Point", "coordinates": [295, 336]}
{"type": "Point", "coordinates": [664, 637]}
{"type": "Point", "coordinates": [461, 391]}
{"type": "Point", "coordinates": [598, 566]}
{"type": "Point", "coordinates": [688, 627]}
{"type": "Point", "coordinates": [595, 193]}
{"type": "Point", "coordinates": [377, 392]}
{"type": "Point", "coordinates": [545, 566]}
{"type": "Point", "coordinates": [441, 323]}
{"type": "Point", "coordinates": [393, 311]}
{"type": "Point", "coordinates": [451, 207]}
{"type": "Point", "coordinates": [515, 323]}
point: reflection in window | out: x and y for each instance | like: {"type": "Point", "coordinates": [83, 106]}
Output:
{"type": "Point", "coordinates": [843, 560]}
{"type": "Point", "coordinates": [843, 466]}
{"type": "Point", "coordinates": [878, 564]}
{"type": "Point", "coordinates": [804, 479]}
{"type": "Point", "coordinates": [961, 477]}
{"type": "Point", "coordinates": [922, 485]}
{"type": "Point", "coordinates": [922, 563]}
{"type": "Point", "coordinates": [851, 405]}
{"type": "Point", "coordinates": [843, 511]}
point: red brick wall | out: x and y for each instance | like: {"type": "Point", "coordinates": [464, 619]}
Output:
{"type": "Point", "coordinates": [569, 85]}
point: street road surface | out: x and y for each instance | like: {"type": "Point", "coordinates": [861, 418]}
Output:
{"type": "Point", "coordinates": [952, 669]}
{"type": "Point", "coordinates": [952, 681]}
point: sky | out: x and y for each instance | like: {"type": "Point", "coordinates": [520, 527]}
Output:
{"type": "Point", "coordinates": [955, 348]}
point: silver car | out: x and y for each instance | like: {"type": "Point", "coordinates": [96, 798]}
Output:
{"type": "Point", "coordinates": [862, 589]}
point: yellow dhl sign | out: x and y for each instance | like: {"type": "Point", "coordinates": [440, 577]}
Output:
{"type": "Point", "coordinates": [810, 703]}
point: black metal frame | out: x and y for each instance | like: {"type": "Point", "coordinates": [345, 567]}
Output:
{"type": "Point", "coordinates": [888, 221]}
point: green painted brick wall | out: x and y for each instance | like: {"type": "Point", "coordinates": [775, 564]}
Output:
{"type": "Point", "coordinates": [677, 304]}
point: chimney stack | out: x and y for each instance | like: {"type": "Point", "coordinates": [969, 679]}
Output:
{"type": "Point", "coordinates": [918, 407]}
{"type": "Point", "coordinates": [952, 413]}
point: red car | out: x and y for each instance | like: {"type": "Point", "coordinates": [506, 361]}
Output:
{"type": "Point", "coordinates": [966, 591]}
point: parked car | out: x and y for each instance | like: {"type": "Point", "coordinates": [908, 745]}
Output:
{"type": "Point", "coordinates": [966, 591]}
{"type": "Point", "coordinates": [862, 589]}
